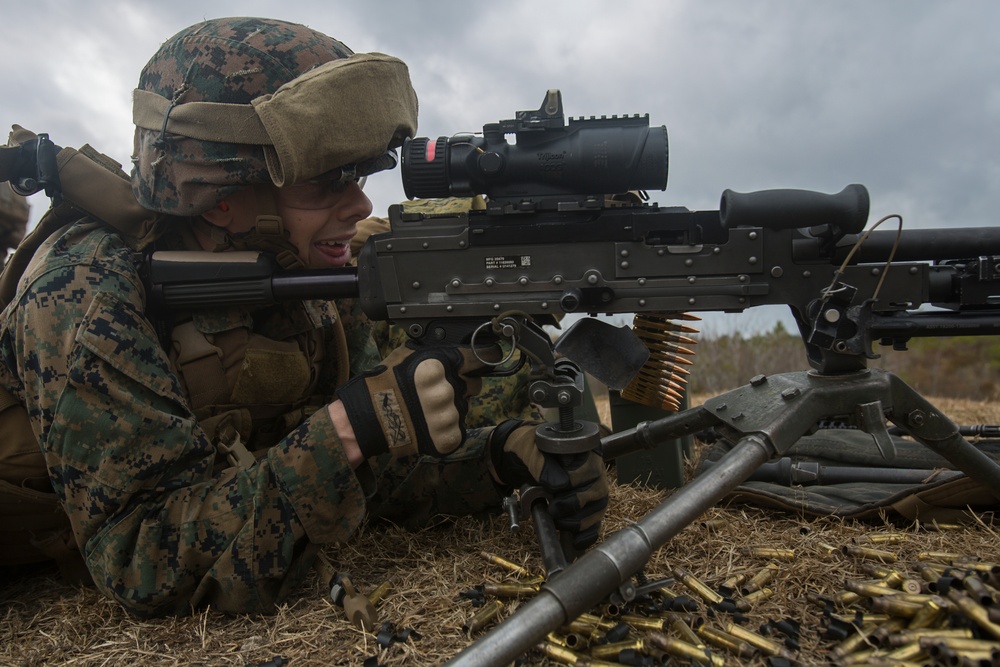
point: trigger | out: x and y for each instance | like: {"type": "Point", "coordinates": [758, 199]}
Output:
{"type": "Point", "coordinates": [871, 420]}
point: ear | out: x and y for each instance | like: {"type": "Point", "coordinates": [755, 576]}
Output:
{"type": "Point", "coordinates": [221, 215]}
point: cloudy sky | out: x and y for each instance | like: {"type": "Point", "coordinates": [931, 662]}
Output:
{"type": "Point", "coordinates": [902, 96]}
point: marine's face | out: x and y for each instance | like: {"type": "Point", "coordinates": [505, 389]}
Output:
{"type": "Point", "coordinates": [320, 218]}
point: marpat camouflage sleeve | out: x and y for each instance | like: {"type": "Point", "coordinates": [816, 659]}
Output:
{"type": "Point", "coordinates": [160, 533]}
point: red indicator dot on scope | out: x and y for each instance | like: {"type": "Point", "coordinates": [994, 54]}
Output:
{"type": "Point", "coordinates": [431, 147]}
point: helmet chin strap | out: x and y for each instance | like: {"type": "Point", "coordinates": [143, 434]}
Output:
{"type": "Point", "coordinates": [268, 234]}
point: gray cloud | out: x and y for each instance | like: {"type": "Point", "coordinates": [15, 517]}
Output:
{"type": "Point", "coordinates": [900, 96]}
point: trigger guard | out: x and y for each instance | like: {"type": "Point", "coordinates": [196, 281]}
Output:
{"type": "Point", "coordinates": [493, 364]}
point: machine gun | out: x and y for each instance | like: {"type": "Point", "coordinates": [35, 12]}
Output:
{"type": "Point", "coordinates": [549, 244]}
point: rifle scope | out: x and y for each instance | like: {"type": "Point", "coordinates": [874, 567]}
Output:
{"type": "Point", "coordinates": [549, 160]}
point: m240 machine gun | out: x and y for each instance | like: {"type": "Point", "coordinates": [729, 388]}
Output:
{"type": "Point", "coordinates": [550, 243]}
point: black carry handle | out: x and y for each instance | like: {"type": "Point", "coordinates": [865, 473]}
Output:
{"type": "Point", "coordinates": [793, 209]}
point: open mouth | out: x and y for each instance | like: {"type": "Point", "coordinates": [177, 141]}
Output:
{"type": "Point", "coordinates": [335, 251]}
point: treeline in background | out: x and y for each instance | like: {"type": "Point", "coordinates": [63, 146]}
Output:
{"type": "Point", "coordinates": [965, 367]}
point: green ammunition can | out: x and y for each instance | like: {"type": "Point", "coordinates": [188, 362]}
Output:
{"type": "Point", "coordinates": [661, 467]}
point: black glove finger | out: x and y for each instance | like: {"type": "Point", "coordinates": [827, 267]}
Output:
{"type": "Point", "coordinates": [569, 514]}
{"type": "Point", "coordinates": [575, 463]}
{"type": "Point", "coordinates": [583, 525]}
{"type": "Point", "coordinates": [586, 484]}
{"type": "Point", "coordinates": [562, 507]}
{"type": "Point", "coordinates": [553, 477]}
{"type": "Point", "coordinates": [513, 468]}
{"type": "Point", "coordinates": [583, 539]}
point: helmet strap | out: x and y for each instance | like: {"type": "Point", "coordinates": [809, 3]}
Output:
{"type": "Point", "coordinates": [268, 233]}
{"type": "Point", "coordinates": [269, 230]}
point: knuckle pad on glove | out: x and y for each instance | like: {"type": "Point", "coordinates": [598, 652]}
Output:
{"type": "Point", "coordinates": [437, 403]}
{"type": "Point", "coordinates": [582, 496]}
{"type": "Point", "coordinates": [564, 508]}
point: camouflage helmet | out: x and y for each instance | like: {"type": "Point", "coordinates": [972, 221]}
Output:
{"type": "Point", "coordinates": [235, 63]}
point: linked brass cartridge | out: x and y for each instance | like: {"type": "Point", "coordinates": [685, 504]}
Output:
{"type": "Point", "coordinates": [508, 591]}
{"type": "Point", "coordinates": [747, 602]}
{"type": "Point", "coordinates": [769, 552]}
{"type": "Point", "coordinates": [486, 614]}
{"type": "Point", "coordinates": [761, 577]}
{"type": "Point", "coordinates": [727, 642]}
{"type": "Point", "coordinates": [763, 644]}
{"type": "Point", "coordinates": [612, 650]}
{"type": "Point", "coordinates": [680, 648]}
{"type": "Point", "coordinates": [697, 586]}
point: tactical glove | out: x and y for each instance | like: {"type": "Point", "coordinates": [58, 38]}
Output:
{"type": "Point", "coordinates": [578, 483]}
{"type": "Point", "coordinates": [414, 402]}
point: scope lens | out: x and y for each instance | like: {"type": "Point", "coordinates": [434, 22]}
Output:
{"type": "Point", "coordinates": [425, 168]}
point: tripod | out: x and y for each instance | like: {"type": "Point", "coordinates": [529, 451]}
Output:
{"type": "Point", "coordinates": [765, 418]}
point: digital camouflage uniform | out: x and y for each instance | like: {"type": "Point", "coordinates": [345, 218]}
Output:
{"type": "Point", "coordinates": [161, 527]}
{"type": "Point", "coordinates": [131, 439]}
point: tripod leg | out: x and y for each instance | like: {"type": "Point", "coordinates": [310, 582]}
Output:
{"type": "Point", "coordinates": [936, 431]}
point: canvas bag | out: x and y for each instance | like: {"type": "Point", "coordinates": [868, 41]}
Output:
{"type": "Point", "coordinates": [944, 500]}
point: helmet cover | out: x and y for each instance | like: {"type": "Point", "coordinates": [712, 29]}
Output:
{"type": "Point", "coordinates": [233, 61]}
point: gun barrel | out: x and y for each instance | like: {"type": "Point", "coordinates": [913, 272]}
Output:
{"type": "Point", "coordinates": [926, 244]}
{"type": "Point", "coordinates": [787, 472]}
{"type": "Point", "coordinates": [915, 325]}
{"type": "Point", "coordinates": [322, 284]}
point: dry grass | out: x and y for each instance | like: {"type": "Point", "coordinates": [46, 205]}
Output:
{"type": "Point", "coordinates": [45, 622]}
